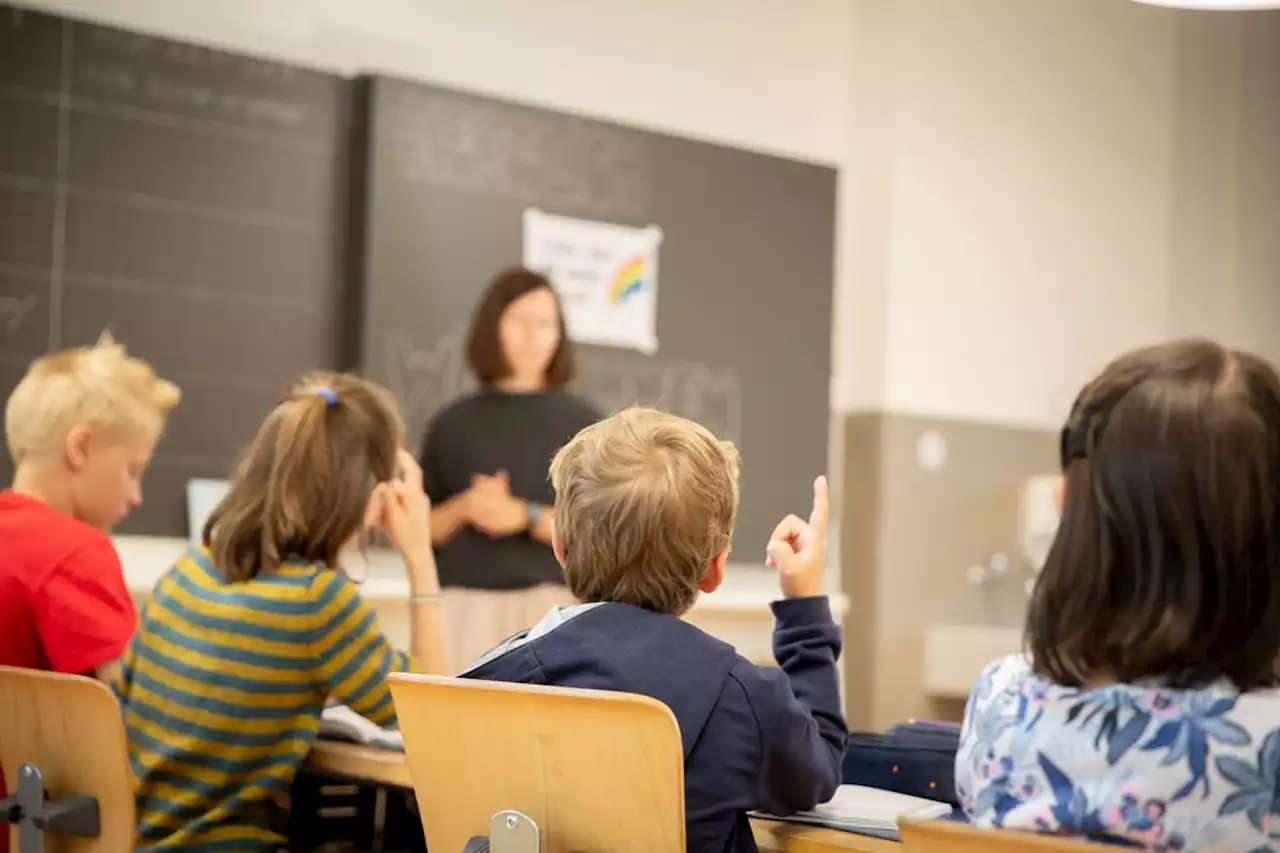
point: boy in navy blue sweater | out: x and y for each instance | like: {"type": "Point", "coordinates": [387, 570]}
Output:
{"type": "Point", "coordinates": [645, 505]}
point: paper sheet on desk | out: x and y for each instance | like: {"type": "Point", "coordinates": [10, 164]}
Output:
{"type": "Point", "coordinates": [338, 722]}
{"type": "Point", "coordinates": [867, 811]}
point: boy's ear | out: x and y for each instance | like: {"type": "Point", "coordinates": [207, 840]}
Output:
{"type": "Point", "coordinates": [556, 547]}
{"type": "Point", "coordinates": [714, 575]}
{"type": "Point", "coordinates": [75, 448]}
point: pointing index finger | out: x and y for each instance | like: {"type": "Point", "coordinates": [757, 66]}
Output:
{"type": "Point", "coordinates": [821, 506]}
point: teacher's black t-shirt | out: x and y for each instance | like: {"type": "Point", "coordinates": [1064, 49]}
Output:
{"type": "Point", "coordinates": [489, 432]}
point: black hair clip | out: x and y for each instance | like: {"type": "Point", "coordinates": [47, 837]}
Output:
{"type": "Point", "coordinates": [1076, 436]}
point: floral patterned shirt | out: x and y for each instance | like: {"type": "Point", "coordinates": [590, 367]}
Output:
{"type": "Point", "coordinates": [1137, 764]}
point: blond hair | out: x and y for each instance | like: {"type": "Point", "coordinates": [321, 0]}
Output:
{"type": "Point", "coordinates": [644, 501]}
{"type": "Point", "coordinates": [303, 486]}
{"type": "Point", "coordinates": [100, 386]}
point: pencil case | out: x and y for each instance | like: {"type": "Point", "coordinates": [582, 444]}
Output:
{"type": "Point", "coordinates": [913, 758]}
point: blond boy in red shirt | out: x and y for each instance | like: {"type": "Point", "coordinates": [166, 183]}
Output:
{"type": "Point", "coordinates": [81, 427]}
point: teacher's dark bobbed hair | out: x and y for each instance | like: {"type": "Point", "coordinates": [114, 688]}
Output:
{"type": "Point", "coordinates": [484, 344]}
{"type": "Point", "coordinates": [1166, 565]}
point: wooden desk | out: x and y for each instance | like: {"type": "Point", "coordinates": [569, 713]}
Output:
{"type": "Point", "coordinates": [362, 763]}
{"type": "Point", "coordinates": [778, 837]}
{"type": "Point", "coordinates": [385, 767]}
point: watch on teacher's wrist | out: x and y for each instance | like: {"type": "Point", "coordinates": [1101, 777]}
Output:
{"type": "Point", "coordinates": [532, 515]}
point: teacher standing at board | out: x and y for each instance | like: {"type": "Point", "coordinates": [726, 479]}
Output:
{"type": "Point", "coordinates": [485, 461]}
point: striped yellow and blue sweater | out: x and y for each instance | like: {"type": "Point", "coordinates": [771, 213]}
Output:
{"type": "Point", "coordinates": [222, 692]}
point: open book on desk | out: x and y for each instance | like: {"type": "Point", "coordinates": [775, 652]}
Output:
{"type": "Point", "coordinates": [338, 722]}
{"type": "Point", "coordinates": [867, 811]}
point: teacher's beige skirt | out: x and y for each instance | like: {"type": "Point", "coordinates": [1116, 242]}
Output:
{"type": "Point", "coordinates": [476, 620]}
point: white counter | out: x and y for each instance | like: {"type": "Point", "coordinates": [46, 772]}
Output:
{"type": "Point", "coordinates": [955, 655]}
{"type": "Point", "coordinates": [738, 613]}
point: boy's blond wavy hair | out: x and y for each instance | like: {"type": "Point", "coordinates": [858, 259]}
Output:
{"type": "Point", "coordinates": [644, 501]}
{"type": "Point", "coordinates": [101, 386]}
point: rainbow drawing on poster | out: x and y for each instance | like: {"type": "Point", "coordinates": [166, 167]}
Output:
{"type": "Point", "coordinates": [629, 280]}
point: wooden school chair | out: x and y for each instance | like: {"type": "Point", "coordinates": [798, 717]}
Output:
{"type": "Point", "coordinates": [945, 836]}
{"type": "Point", "coordinates": [594, 771]}
{"type": "Point", "coordinates": [62, 738]}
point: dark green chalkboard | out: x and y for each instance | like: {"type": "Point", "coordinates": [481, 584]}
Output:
{"type": "Point", "coordinates": [746, 268]}
{"type": "Point", "coordinates": [190, 200]}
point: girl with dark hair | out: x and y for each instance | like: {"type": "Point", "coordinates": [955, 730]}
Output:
{"type": "Point", "coordinates": [1147, 710]}
{"type": "Point", "coordinates": [485, 460]}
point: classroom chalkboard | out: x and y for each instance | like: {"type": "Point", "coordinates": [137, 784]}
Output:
{"type": "Point", "coordinates": [745, 269]}
{"type": "Point", "coordinates": [192, 201]}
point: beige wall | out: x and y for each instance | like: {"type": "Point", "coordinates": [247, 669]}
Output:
{"type": "Point", "coordinates": [1016, 236]}
{"type": "Point", "coordinates": [910, 534]}
{"type": "Point", "coordinates": [1259, 171]}
{"type": "Point", "coordinates": [1225, 260]}
{"type": "Point", "coordinates": [1040, 186]}
{"type": "Point", "coordinates": [1037, 186]}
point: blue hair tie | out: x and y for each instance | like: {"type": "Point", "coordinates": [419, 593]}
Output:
{"type": "Point", "coordinates": [330, 396]}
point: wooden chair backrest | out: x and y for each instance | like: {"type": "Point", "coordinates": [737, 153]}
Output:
{"type": "Point", "coordinates": [595, 770]}
{"type": "Point", "coordinates": [945, 836]}
{"type": "Point", "coordinates": [71, 728]}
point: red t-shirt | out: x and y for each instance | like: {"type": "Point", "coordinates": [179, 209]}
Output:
{"type": "Point", "coordinates": [64, 605]}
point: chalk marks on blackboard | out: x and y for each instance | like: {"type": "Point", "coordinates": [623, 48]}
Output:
{"type": "Point", "coordinates": [558, 162]}
{"type": "Point", "coordinates": [24, 272]}
{"type": "Point", "coordinates": [711, 396]}
{"type": "Point", "coordinates": [173, 77]}
{"type": "Point", "coordinates": [167, 205]}
{"type": "Point", "coordinates": [142, 78]}
{"type": "Point", "coordinates": [216, 105]}
{"type": "Point", "coordinates": [14, 361]}
{"type": "Point", "coordinates": [14, 311]}
{"type": "Point", "coordinates": [190, 56]}
{"type": "Point", "coordinates": [62, 156]}
{"type": "Point", "coordinates": [204, 126]}
{"type": "Point", "coordinates": [427, 379]}
{"type": "Point", "coordinates": [283, 304]}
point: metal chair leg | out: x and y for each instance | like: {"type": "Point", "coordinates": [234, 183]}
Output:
{"type": "Point", "coordinates": [35, 816]}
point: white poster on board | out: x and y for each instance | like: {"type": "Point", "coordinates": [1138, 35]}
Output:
{"type": "Point", "coordinates": [606, 276]}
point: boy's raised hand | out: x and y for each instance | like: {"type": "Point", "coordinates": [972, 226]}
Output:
{"type": "Point", "coordinates": [798, 549]}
